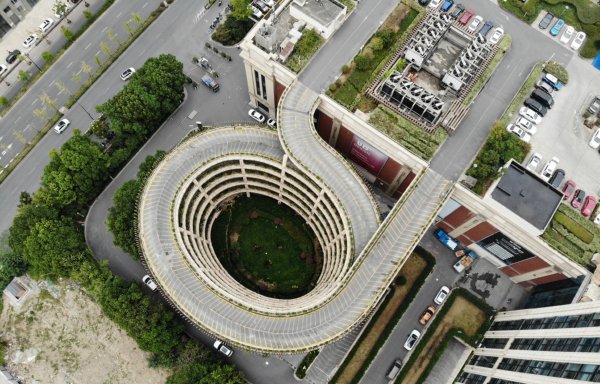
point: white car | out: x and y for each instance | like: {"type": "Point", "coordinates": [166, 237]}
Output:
{"type": "Point", "coordinates": [597, 219]}
{"type": "Point", "coordinates": [441, 295]}
{"type": "Point", "coordinates": [534, 162]}
{"type": "Point", "coordinates": [519, 132]}
{"type": "Point", "coordinates": [475, 23]}
{"type": "Point", "coordinates": [497, 35]}
{"type": "Point", "coordinates": [30, 40]}
{"type": "Point", "coordinates": [149, 282]}
{"type": "Point", "coordinates": [530, 115]}
{"type": "Point", "coordinates": [221, 347]}
{"type": "Point", "coordinates": [61, 126]}
{"type": "Point", "coordinates": [434, 3]}
{"type": "Point", "coordinates": [567, 35]}
{"type": "Point", "coordinates": [3, 68]}
{"type": "Point", "coordinates": [412, 340]}
{"type": "Point", "coordinates": [46, 25]}
{"type": "Point", "coordinates": [127, 74]}
{"type": "Point", "coordinates": [579, 39]}
{"type": "Point", "coordinates": [527, 125]}
{"type": "Point", "coordinates": [253, 113]}
{"type": "Point", "coordinates": [595, 140]}
{"type": "Point", "coordinates": [272, 123]}
{"type": "Point", "coordinates": [549, 169]}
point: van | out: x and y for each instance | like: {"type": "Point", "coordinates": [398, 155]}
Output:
{"type": "Point", "coordinates": [543, 97]}
{"type": "Point", "coordinates": [395, 370]}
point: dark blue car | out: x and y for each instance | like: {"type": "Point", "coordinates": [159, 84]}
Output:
{"type": "Point", "coordinates": [447, 5]}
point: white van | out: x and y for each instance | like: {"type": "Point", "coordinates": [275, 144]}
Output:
{"type": "Point", "coordinates": [395, 370]}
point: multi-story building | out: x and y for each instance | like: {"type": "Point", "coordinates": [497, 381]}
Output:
{"type": "Point", "coordinates": [12, 12]}
{"type": "Point", "coordinates": [558, 345]}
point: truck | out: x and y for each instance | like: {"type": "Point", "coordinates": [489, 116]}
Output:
{"type": "Point", "coordinates": [465, 261]}
{"type": "Point", "coordinates": [446, 239]}
{"type": "Point", "coordinates": [210, 83]}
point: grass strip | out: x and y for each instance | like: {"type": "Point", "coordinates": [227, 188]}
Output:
{"type": "Point", "coordinates": [77, 94]}
{"type": "Point", "coordinates": [573, 227]}
{"type": "Point", "coordinates": [305, 364]}
{"type": "Point", "coordinates": [439, 317]}
{"type": "Point", "coordinates": [420, 280]}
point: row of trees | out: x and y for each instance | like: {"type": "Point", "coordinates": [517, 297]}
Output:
{"type": "Point", "coordinates": [46, 237]}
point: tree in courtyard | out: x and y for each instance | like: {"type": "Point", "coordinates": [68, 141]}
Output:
{"type": "Point", "coordinates": [241, 9]}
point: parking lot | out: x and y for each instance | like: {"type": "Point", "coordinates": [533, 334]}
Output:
{"type": "Point", "coordinates": [562, 133]}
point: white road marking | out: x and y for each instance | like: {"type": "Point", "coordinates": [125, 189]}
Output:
{"type": "Point", "coordinates": [69, 65]}
{"type": "Point", "coordinates": [119, 15]}
{"type": "Point", "coordinates": [104, 29]}
{"type": "Point", "coordinates": [145, 4]}
{"type": "Point", "coordinates": [34, 102]}
{"type": "Point", "coordinates": [98, 53]}
{"type": "Point", "coordinates": [87, 46]}
{"type": "Point", "coordinates": [9, 146]}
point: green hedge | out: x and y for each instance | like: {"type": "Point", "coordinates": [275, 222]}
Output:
{"type": "Point", "coordinates": [472, 340]}
{"type": "Point", "coordinates": [307, 46]}
{"type": "Point", "coordinates": [573, 227]}
{"type": "Point", "coordinates": [430, 262]}
{"type": "Point", "coordinates": [305, 364]}
{"type": "Point", "coordinates": [557, 70]}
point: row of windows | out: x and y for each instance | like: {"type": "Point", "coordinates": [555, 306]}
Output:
{"type": "Point", "coordinates": [494, 343]}
{"type": "Point", "coordinates": [502, 381]}
{"type": "Point", "coordinates": [575, 321]}
{"type": "Point", "coordinates": [259, 82]}
{"type": "Point", "coordinates": [483, 361]}
{"type": "Point", "coordinates": [470, 378]}
{"type": "Point", "coordinates": [588, 344]}
{"type": "Point", "coordinates": [586, 372]}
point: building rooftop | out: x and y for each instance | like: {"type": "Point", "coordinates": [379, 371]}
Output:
{"type": "Point", "coordinates": [323, 11]}
{"type": "Point", "coordinates": [527, 196]}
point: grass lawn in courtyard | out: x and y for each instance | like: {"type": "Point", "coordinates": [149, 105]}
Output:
{"type": "Point", "coordinates": [267, 247]}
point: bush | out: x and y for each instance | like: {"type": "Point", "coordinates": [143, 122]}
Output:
{"type": "Point", "coordinates": [345, 68]}
{"type": "Point", "coordinates": [47, 57]}
{"type": "Point", "coordinates": [362, 62]}
{"type": "Point", "coordinates": [553, 68]}
{"type": "Point", "coordinates": [304, 50]}
{"type": "Point", "coordinates": [232, 31]}
{"type": "Point", "coordinates": [332, 87]}
{"type": "Point", "coordinates": [305, 364]}
{"type": "Point", "coordinates": [573, 227]}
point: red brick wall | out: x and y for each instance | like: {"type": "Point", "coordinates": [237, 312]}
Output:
{"type": "Point", "coordinates": [456, 218]}
{"type": "Point", "coordinates": [548, 279]}
{"type": "Point", "coordinates": [389, 171]}
{"type": "Point", "coordinates": [405, 184]}
{"type": "Point", "coordinates": [529, 265]}
{"type": "Point", "coordinates": [477, 233]}
{"type": "Point", "coordinates": [344, 141]}
{"type": "Point", "coordinates": [324, 126]}
{"type": "Point", "coordinates": [279, 88]}
{"type": "Point", "coordinates": [508, 271]}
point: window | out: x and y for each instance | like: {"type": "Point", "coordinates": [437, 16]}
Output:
{"type": "Point", "coordinates": [257, 82]}
{"type": "Point", "coordinates": [483, 361]}
{"type": "Point", "coordinates": [584, 372]}
{"type": "Point", "coordinates": [471, 378]}
{"type": "Point", "coordinates": [575, 321]}
{"type": "Point", "coordinates": [264, 87]}
{"type": "Point", "coordinates": [494, 343]}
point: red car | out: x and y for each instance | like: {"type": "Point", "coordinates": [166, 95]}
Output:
{"type": "Point", "coordinates": [578, 198]}
{"type": "Point", "coordinates": [589, 205]}
{"type": "Point", "coordinates": [464, 19]}
{"type": "Point", "coordinates": [568, 189]}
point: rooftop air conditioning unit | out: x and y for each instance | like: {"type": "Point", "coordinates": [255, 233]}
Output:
{"type": "Point", "coordinates": [437, 104]}
{"type": "Point", "coordinates": [480, 38]}
{"type": "Point", "coordinates": [395, 78]}
{"type": "Point", "coordinates": [425, 40]}
{"type": "Point", "coordinates": [420, 49]}
{"type": "Point", "coordinates": [416, 91]}
{"type": "Point", "coordinates": [457, 72]}
{"type": "Point", "coordinates": [426, 97]}
{"type": "Point", "coordinates": [433, 32]}
{"type": "Point", "coordinates": [445, 17]}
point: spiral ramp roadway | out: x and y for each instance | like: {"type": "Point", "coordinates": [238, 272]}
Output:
{"type": "Point", "coordinates": [361, 256]}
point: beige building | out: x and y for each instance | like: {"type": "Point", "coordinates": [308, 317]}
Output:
{"type": "Point", "coordinates": [12, 12]}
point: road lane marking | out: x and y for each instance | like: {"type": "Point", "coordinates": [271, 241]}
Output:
{"type": "Point", "coordinates": [34, 102]}
{"type": "Point", "coordinates": [104, 29]}
{"type": "Point", "coordinates": [119, 14]}
{"type": "Point", "coordinates": [145, 4]}
{"type": "Point", "coordinates": [87, 46]}
{"type": "Point", "coordinates": [17, 119]}
{"type": "Point", "coordinates": [69, 65]}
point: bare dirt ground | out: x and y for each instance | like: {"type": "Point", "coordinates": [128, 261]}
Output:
{"type": "Point", "coordinates": [68, 340]}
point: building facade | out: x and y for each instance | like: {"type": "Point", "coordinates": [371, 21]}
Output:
{"type": "Point", "coordinates": [13, 11]}
{"type": "Point", "coordinates": [558, 345]}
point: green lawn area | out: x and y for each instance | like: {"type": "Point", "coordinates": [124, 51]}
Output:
{"type": "Point", "coordinates": [267, 247]}
{"type": "Point", "coordinates": [581, 14]}
{"type": "Point", "coordinates": [573, 235]}
{"type": "Point", "coordinates": [304, 50]}
{"type": "Point", "coordinates": [407, 134]}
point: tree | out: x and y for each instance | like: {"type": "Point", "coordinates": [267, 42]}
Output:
{"type": "Point", "coordinates": [73, 175]}
{"type": "Point", "coordinates": [47, 57]}
{"type": "Point", "coordinates": [113, 36]}
{"type": "Point", "coordinates": [76, 77]}
{"type": "Point", "coordinates": [137, 18]}
{"type": "Point", "coordinates": [69, 35]}
{"type": "Point", "coordinates": [24, 199]}
{"type": "Point", "coordinates": [23, 75]}
{"type": "Point", "coordinates": [3, 101]}
{"type": "Point", "coordinates": [376, 43]}
{"type": "Point", "coordinates": [41, 114]}
{"type": "Point", "coordinates": [54, 247]}
{"type": "Point", "coordinates": [48, 101]}
{"type": "Point", "coordinates": [27, 216]}
{"type": "Point", "coordinates": [87, 14]}
{"type": "Point", "coordinates": [62, 87]}
{"type": "Point", "coordinates": [241, 9]}
{"type": "Point", "coordinates": [362, 62]}
{"type": "Point", "coordinates": [60, 8]}
{"type": "Point", "coordinates": [86, 68]}
{"type": "Point", "coordinates": [105, 49]}
{"type": "Point", "coordinates": [98, 60]}
{"type": "Point", "coordinates": [19, 136]}
{"type": "Point", "coordinates": [11, 264]}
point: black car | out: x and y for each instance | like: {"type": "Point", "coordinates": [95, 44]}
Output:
{"type": "Point", "coordinates": [458, 9]}
{"type": "Point", "coordinates": [486, 28]}
{"type": "Point", "coordinates": [557, 178]}
{"type": "Point", "coordinates": [542, 97]}
{"type": "Point", "coordinates": [545, 22]}
{"type": "Point", "coordinates": [536, 107]}
{"type": "Point", "coordinates": [424, 2]}
{"type": "Point", "coordinates": [12, 56]}
{"type": "Point", "coordinates": [594, 107]}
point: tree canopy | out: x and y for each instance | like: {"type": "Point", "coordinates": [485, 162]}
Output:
{"type": "Point", "coordinates": [241, 9]}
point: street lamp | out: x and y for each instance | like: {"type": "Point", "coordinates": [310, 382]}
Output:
{"type": "Point", "coordinates": [33, 62]}
{"type": "Point", "coordinates": [563, 12]}
{"type": "Point", "coordinates": [85, 110]}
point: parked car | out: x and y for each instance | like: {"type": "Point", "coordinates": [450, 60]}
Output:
{"type": "Point", "coordinates": [30, 40]}
{"type": "Point", "coordinates": [545, 22]}
{"type": "Point", "coordinates": [519, 132]}
{"type": "Point", "coordinates": [427, 315]}
{"type": "Point", "coordinates": [3, 68]}
{"type": "Point", "coordinates": [486, 28]}
{"type": "Point", "coordinates": [457, 10]}
{"type": "Point", "coordinates": [536, 106]}
{"type": "Point", "coordinates": [126, 74]}
{"type": "Point", "coordinates": [534, 162]}
{"type": "Point", "coordinates": [527, 125]}
{"type": "Point", "coordinates": [253, 113]}
{"type": "Point", "coordinates": [464, 19]}
{"type": "Point", "coordinates": [578, 197]}
{"type": "Point", "coordinates": [541, 84]}
{"type": "Point", "coordinates": [567, 35]}
{"type": "Point", "coordinates": [553, 81]}
{"type": "Point", "coordinates": [597, 219]}
{"type": "Point", "coordinates": [412, 340]}
{"type": "Point", "coordinates": [497, 35]}
{"type": "Point", "coordinates": [149, 282]}
{"type": "Point", "coordinates": [434, 3]}
{"type": "Point", "coordinates": [394, 370]}
{"type": "Point", "coordinates": [549, 169]}
{"type": "Point", "coordinates": [447, 5]}
{"type": "Point", "coordinates": [568, 189]}
{"type": "Point", "coordinates": [578, 40]}
{"type": "Point", "coordinates": [589, 205]}
{"type": "Point", "coordinates": [530, 115]}
{"type": "Point", "coordinates": [441, 295]}
{"type": "Point", "coordinates": [61, 126]}
{"type": "Point", "coordinates": [542, 97]}
{"type": "Point", "coordinates": [272, 123]}
{"type": "Point", "coordinates": [475, 23]}
{"type": "Point", "coordinates": [557, 27]}
{"type": "Point", "coordinates": [595, 140]}
{"type": "Point", "coordinates": [12, 56]}
{"type": "Point", "coordinates": [557, 178]}
{"type": "Point", "coordinates": [221, 347]}
{"type": "Point", "coordinates": [423, 2]}
{"type": "Point", "coordinates": [594, 107]}
{"type": "Point", "coordinates": [46, 25]}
